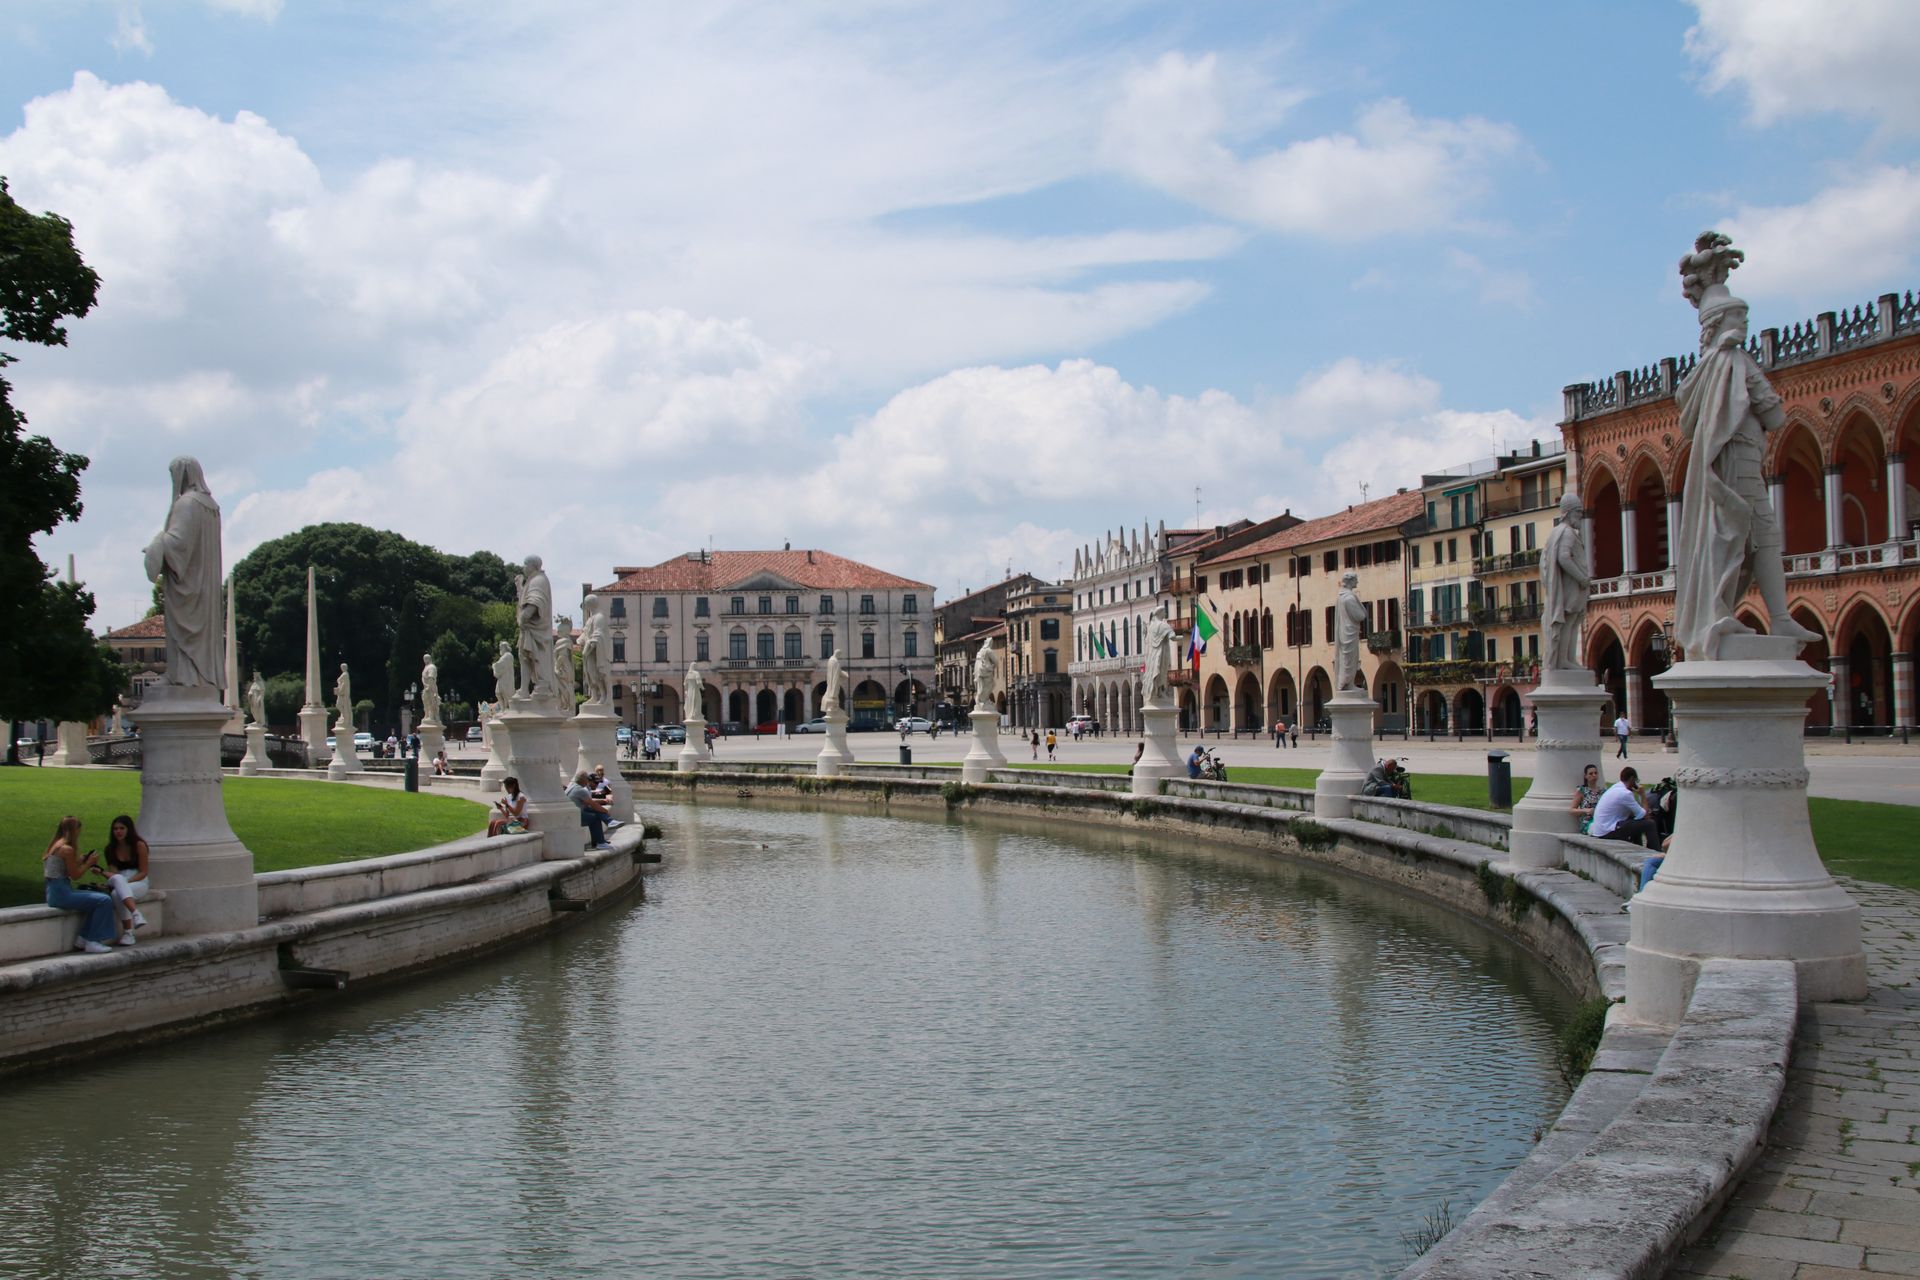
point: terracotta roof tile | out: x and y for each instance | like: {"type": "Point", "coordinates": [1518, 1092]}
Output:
{"type": "Point", "coordinates": [1369, 517]}
{"type": "Point", "coordinates": [150, 628]}
{"type": "Point", "coordinates": [818, 570]}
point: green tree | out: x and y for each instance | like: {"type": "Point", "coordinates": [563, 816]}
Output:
{"type": "Point", "coordinates": [51, 665]}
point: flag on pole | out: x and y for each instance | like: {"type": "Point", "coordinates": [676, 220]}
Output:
{"type": "Point", "coordinates": [1202, 631]}
{"type": "Point", "coordinates": [1099, 648]}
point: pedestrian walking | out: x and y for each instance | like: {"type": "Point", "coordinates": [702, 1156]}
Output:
{"type": "Point", "coordinates": [1622, 730]}
{"type": "Point", "coordinates": [1035, 740]}
{"type": "Point", "coordinates": [1051, 742]}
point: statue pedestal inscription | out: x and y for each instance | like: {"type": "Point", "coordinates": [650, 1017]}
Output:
{"type": "Point", "coordinates": [313, 729]}
{"type": "Point", "coordinates": [985, 752]}
{"type": "Point", "coordinates": [835, 755]}
{"type": "Point", "coordinates": [1568, 704]}
{"type": "Point", "coordinates": [346, 757]}
{"type": "Point", "coordinates": [196, 860]}
{"type": "Point", "coordinates": [70, 745]}
{"type": "Point", "coordinates": [597, 731]}
{"type": "Point", "coordinates": [493, 736]}
{"type": "Point", "coordinates": [533, 729]}
{"type": "Point", "coordinates": [1742, 879]}
{"type": "Point", "coordinates": [1351, 711]}
{"type": "Point", "coordinates": [696, 752]}
{"type": "Point", "coordinates": [1161, 759]}
{"type": "Point", "coordinates": [256, 758]}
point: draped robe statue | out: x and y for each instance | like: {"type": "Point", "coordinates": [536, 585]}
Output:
{"type": "Point", "coordinates": [830, 700]}
{"type": "Point", "coordinates": [596, 653]}
{"type": "Point", "coordinates": [1349, 620]}
{"type": "Point", "coordinates": [563, 662]}
{"type": "Point", "coordinates": [1564, 582]}
{"type": "Point", "coordinates": [694, 696]}
{"type": "Point", "coordinates": [429, 690]}
{"type": "Point", "coordinates": [1158, 672]}
{"type": "Point", "coordinates": [185, 560]}
{"type": "Point", "coordinates": [503, 677]}
{"type": "Point", "coordinates": [257, 700]}
{"type": "Point", "coordinates": [986, 675]}
{"type": "Point", "coordinates": [534, 604]}
{"type": "Point", "coordinates": [343, 696]}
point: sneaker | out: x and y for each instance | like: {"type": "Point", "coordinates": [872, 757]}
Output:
{"type": "Point", "coordinates": [614, 824]}
{"type": "Point", "coordinates": [93, 948]}
{"type": "Point", "coordinates": [139, 921]}
{"type": "Point", "coordinates": [127, 939]}
{"type": "Point", "coordinates": [603, 845]}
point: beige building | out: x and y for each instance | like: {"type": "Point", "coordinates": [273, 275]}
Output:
{"type": "Point", "coordinates": [1039, 640]}
{"type": "Point", "coordinates": [762, 625]}
{"type": "Point", "coordinates": [1272, 600]}
{"type": "Point", "coordinates": [142, 650]}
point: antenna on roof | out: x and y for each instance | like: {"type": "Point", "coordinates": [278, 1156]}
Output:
{"type": "Point", "coordinates": [1196, 506]}
{"type": "Point", "coordinates": [788, 545]}
{"type": "Point", "coordinates": [1363, 491]}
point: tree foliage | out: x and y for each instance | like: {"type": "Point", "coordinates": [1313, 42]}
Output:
{"type": "Point", "coordinates": [383, 601]}
{"type": "Point", "coordinates": [50, 663]}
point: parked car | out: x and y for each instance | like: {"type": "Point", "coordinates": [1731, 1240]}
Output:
{"type": "Point", "coordinates": [816, 725]}
{"type": "Point", "coordinates": [623, 735]}
{"type": "Point", "coordinates": [363, 742]}
{"type": "Point", "coordinates": [1084, 721]}
{"type": "Point", "coordinates": [767, 727]}
{"type": "Point", "coordinates": [673, 733]}
{"type": "Point", "coordinates": [912, 724]}
{"type": "Point", "coordinates": [475, 734]}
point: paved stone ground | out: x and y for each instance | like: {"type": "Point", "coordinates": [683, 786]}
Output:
{"type": "Point", "coordinates": [1837, 1192]}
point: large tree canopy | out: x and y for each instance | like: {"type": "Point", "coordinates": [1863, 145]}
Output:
{"type": "Point", "coordinates": [383, 601]}
{"type": "Point", "coordinates": [50, 663]}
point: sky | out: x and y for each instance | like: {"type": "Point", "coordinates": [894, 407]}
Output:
{"type": "Point", "coordinates": [952, 289]}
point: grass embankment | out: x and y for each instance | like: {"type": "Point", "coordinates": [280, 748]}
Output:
{"type": "Point", "coordinates": [286, 823]}
{"type": "Point", "coordinates": [1855, 837]}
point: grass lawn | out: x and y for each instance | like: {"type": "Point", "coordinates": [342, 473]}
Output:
{"type": "Point", "coordinates": [286, 823]}
{"type": "Point", "coordinates": [1855, 837]}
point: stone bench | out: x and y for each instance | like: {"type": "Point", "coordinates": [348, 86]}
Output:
{"type": "Point", "coordinates": [286, 893]}
{"type": "Point", "coordinates": [28, 933]}
{"type": "Point", "coordinates": [1613, 863]}
{"type": "Point", "coordinates": [1481, 826]}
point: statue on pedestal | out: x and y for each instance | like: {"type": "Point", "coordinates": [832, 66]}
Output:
{"type": "Point", "coordinates": [830, 700]}
{"type": "Point", "coordinates": [343, 695]}
{"type": "Point", "coordinates": [257, 700]}
{"type": "Point", "coordinates": [986, 677]}
{"type": "Point", "coordinates": [1349, 621]}
{"type": "Point", "coordinates": [694, 695]}
{"type": "Point", "coordinates": [1728, 537]}
{"type": "Point", "coordinates": [596, 653]}
{"type": "Point", "coordinates": [1158, 672]}
{"type": "Point", "coordinates": [1564, 582]}
{"type": "Point", "coordinates": [563, 662]}
{"type": "Point", "coordinates": [503, 677]}
{"type": "Point", "coordinates": [429, 690]}
{"type": "Point", "coordinates": [533, 600]}
{"type": "Point", "coordinates": [185, 560]}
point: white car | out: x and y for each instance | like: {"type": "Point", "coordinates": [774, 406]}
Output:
{"type": "Point", "coordinates": [912, 724]}
{"type": "Point", "coordinates": [816, 725]}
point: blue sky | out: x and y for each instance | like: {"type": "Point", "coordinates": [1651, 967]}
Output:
{"type": "Point", "coordinates": [949, 288]}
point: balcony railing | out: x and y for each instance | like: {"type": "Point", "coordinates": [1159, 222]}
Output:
{"type": "Point", "coordinates": [763, 664]}
{"type": "Point", "coordinates": [1512, 562]}
{"type": "Point", "coordinates": [1436, 617]}
{"type": "Point", "coordinates": [1387, 641]}
{"type": "Point", "coordinates": [1463, 671]}
{"type": "Point", "coordinates": [1243, 655]}
{"type": "Point", "coordinates": [1518, 504]}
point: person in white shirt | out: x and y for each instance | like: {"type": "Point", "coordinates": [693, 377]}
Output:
{"type": "Point", "coordinates": [1622, 730]}
{"type": "Point", "coordinates": [1621, 816]}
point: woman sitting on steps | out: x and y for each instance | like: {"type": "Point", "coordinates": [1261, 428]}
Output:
{"type": "Point", "coordinates": [62, 865]}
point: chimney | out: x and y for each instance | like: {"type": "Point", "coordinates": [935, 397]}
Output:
{"type": "Point", "coordinates": [809, 555]}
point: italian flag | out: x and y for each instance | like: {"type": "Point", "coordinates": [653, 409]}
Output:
{"type": "Point", "coordinates": [1099, 648]}
{"type": "Point", "coordinates": [1202, 631]}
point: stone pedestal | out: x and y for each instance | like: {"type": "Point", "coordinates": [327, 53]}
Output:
{"type": "Point", "coordinates": [346, 756]}
{"type": "Point", "coordinates": [1743, 879]}
{"type": "Point", "coordinates": [534, 731]}
{"type": "Point", "coordinates": [433, 738]}
{"type": "Point", "coordinates": [313, 731]}
{"type": "Point", "coordinates": [70, 745]}
{"type": "Point", "coordinates": [204, 870]}
{"type": "Point", "coordinates": [835, 756]}
{"type": "Point", "coordinates": [985, 753]}
{"type": "Point", "coordinates": [256, 758]}
{"type": "Point", "coordinates": [1568, 704]}
{"type": "Point", "coordinates": [696, 752]}
{"type": "Point", "coordinates": [494, 737]}
{"type": "Point", "coordinates": [1161, 759]}
{"type": "Point", "coordinates": [595, 729]}
{"type": "Point", "coordinates": [1351, 711]}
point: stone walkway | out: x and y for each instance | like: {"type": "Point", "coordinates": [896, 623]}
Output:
{"type": "Point", "coordinates": [1837, 1192]}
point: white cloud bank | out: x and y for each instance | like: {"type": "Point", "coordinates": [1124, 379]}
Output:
{"type": "Point", "coordinates": [1858, 235]}
{"type": "Point", "coordinates": [1791, 57]}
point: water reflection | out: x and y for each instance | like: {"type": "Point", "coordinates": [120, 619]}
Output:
{"type": "Point", "coordinates": [836, 1043]}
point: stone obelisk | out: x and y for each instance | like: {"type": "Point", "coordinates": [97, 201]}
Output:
{"type": "Point", "coordinates": [313, 712]}
{"type": "Point", "coordinates": [70, 736]}
{"type": "Point", "coordinates": [231, 694]}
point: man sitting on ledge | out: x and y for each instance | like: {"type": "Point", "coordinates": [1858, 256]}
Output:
{"type": "Point", "coordinates": [1621, 815]}
{"type": "Point", "coordinates": [1385, 779]}
{"type": "Point", "coordinates": [593, 811]}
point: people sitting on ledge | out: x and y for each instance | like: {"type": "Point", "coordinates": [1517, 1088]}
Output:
{"type": "Point", "coordinates": [593, 811]}
{"type": "Point", "coordinates": [126, 867]}
{"type": "Point", "coordinates": [440, 766]}
{"type": "Point", "coordinates": [1586, 798]}
{"type": "Point", "coordinates": [63, 864]}
{"type": "Point", "coordinates": [510, 811]}
{"type": "Point", "coordinates": [1621, 814]}
{"type": "Point", "coordinates": [1386, 779]}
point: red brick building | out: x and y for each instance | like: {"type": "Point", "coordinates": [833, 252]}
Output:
{"type": "Point", "coordinates": [1837, 473]}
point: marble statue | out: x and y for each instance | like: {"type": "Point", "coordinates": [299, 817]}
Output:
{"type": "Point", "coordinates": [1728, 537]}
{"type": "Point", "coordinates": [830, 701]}
{"type": "Point", "coordinates": [694, 696]}
{"type": "Point", "coordinates": [533, 596]}
{"type": "Point", "coordinates": [503, 676]}
{"type": "Point", "coordinates": [1564, 582]}
{"type": "Point", "coordinates": [986, 675]}
{"type": "Point", "coordinates": [184, 559]}
{"type": "Point", "coordinates": [257, 700]}
{"type": "Point", "coordinates": [429, 690]}
{"type": "Point", "coordinates": [343, 695]}
{"type": "Point", "coordinates": [596, 653]}
{"type": "Point", "coordinates": [1157, 674]}
{"type": "Point", "coordinates": [563, 662]}
{"type": "Point", "coordinates": [1349, 623]}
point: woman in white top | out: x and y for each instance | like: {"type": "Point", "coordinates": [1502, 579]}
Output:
{"type": "Point", "coordinates": [61, 865]}
{"type": "Point", "coordinates": [510, 811]}
{"type": "Point", "coordinates": [127, 882]}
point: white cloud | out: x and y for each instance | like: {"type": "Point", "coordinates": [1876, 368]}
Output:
{"type": "Point", "coordinates": [130, 33]}
{"type": "Point", "coordinates": [1858, 235]}
{"type": "Point", "coordinates": [1394, 172]}
{"type": "Point", "coordinates": [1791, 57]}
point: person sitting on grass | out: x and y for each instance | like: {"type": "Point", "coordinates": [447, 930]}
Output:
{"type": "Point", "coordinates": [127, 882]}
{"type": "Point", "coordinates": [510, 811]}
{"type": "Point", "coordinates": [593, 812]}
{"type": "Point", "coordinates": [62, 865]}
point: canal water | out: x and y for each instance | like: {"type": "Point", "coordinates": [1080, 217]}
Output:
{"type": "Point", "coordinates": [836, 1044]}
